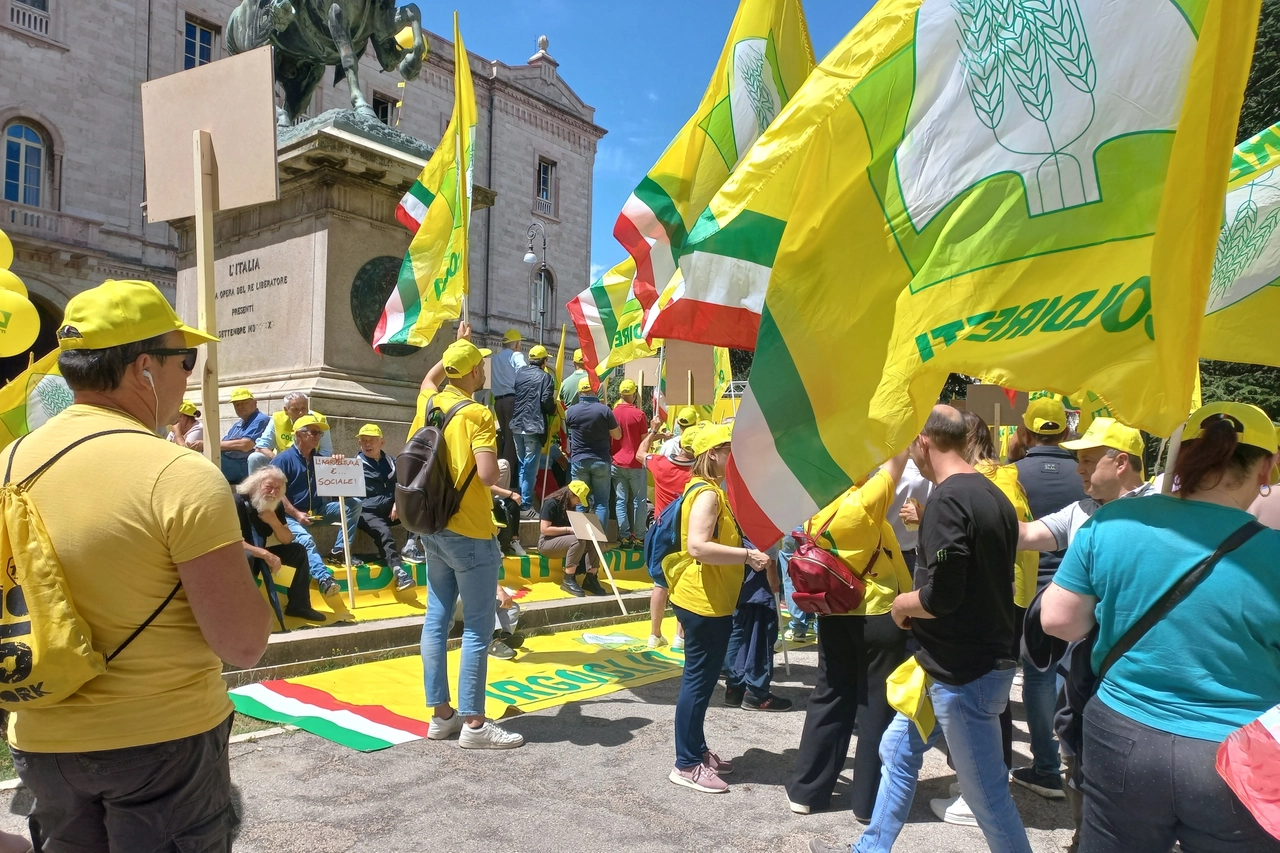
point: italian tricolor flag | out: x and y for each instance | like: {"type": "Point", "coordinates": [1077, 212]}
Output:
{"type": "Point", "coordinates": [363, 727]}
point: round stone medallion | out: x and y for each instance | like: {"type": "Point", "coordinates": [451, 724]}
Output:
{"type": "Point", "coordinates": [369, 292]}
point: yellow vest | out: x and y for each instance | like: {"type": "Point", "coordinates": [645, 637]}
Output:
{"type": "Point", "coordinates": [284, 428]}
{"type": "Point", "coordinates": [1026, 569]}
{"type": "Point", "coordinates": [697, 587]}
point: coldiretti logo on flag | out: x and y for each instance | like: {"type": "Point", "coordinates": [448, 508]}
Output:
{"type": "Point", "coordinates": [433, 278]}
{"type": "Point", "coordinates": [1022, 192]}
{"type": "Point", "coordinates": [32, 398]}
{"type": "Point", "coordinates": [1244, 293]}
{"type": "Point", "coordinates": [765, 59]}
{"type": "Point", "coordinates": [607, 317]}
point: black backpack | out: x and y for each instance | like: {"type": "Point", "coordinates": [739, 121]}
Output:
{"type": "Point", "coordinates": [426, 496]}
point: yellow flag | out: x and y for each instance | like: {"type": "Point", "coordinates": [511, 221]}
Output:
{"type": "Point", "coordinates": [938, 197]}
{"type": "Point", "coordinates": [433, 277]}
{"type": "Point", "coordinates": [36, 395]}
{"type": "Point", "coordinates": [1244, 294]}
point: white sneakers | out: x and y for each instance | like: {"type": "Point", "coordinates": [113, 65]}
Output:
{"type": "Point", "coordinates": [656, 641]}
{"type": "Point", "coordinates": [954, 811]}
{"type": "Point", "coordinates": [798, 808]}
{"type": "Point", "coordinates": [488, 736]}
{"type": "Point", "coordinates": [677, 643]}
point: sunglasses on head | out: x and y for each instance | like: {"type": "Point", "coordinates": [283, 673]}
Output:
{"type": "Point", "coordinates": [188, 356]}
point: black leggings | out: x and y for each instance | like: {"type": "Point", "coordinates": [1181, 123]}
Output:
{"type": "Point", "coordinates": [855, 656]}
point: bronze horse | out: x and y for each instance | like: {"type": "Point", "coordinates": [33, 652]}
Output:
{"type": "Point", "coordinates": [309, 35]}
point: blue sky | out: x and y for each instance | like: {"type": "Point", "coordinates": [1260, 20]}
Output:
{"type": "Point", "coordinates": [643, 64]}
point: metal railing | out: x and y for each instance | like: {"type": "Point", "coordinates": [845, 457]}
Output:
{"type": "Point", "coordinates": [48, 224]}
{"type": "Point", "coordinates": [25, 18]}
{"type": "Point", "coordinates": [543, 206]}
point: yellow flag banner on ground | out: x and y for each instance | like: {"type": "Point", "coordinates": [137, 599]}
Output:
{"type": "Point", "coordinates": [1244, 294]}
{"type": "Point", "coordinates": [765, 59]}
{"type": "Point", "coordinates": [1026, 193]}
{"type": "Point", "coordinates": [34, 396]}
{"type": "Point", "coordinates": [433, 277]}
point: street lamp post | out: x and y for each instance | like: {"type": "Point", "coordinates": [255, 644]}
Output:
{"type": "Point", "coordinates": [536, 230]}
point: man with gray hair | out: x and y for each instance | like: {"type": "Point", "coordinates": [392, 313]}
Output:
{"type": "Point", "coordinates": [278, 436]}
{"type": "Point", "coordinates": [260, 505]}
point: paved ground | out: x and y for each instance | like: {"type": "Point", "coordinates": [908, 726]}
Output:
{"type": "Point", "coordinates": [592, 778]}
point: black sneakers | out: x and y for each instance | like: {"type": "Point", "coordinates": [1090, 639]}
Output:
{"type": "Point", "coordinates": [733, 698]}
{"type": "Point", "coordinates": [1047, 785]}
{"type": "Point", "coordinates": [768, 703]}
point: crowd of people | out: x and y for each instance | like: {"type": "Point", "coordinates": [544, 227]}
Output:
{"type": "Point", "coordinates": [1144, 624]}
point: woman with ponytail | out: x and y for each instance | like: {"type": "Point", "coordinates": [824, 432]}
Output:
{"type": "Point", "coordinates": [1209, 665]}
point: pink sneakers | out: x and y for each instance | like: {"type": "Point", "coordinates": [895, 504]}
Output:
{"type": "Point", "coordinates": [716, 763]}
{"type": "Point", "coordinates": [699, 777]}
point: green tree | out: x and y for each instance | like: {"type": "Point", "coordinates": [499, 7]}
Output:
{"type": "Point", "coordinates": [1223, 380]}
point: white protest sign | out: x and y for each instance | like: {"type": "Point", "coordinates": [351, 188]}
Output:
{"type": "Point", "coordinates": [339, 478]}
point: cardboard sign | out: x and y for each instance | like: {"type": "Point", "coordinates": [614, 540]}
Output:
{"type": "Point", "coordinates": [685, 359]}
{"type": "Point", "coordinates": [648, 367]}
{"type": "Point", "coordinates": [586, 526]}
{"type": "Point", "coordinates": [234, 100]}
{"type": "Point", "coordinates": [983, 399]}
{"type": "Point", "coordinates": [339, 478]}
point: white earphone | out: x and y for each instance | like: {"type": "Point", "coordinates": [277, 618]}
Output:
{"type": "Point", "coordinates": [147, 375]}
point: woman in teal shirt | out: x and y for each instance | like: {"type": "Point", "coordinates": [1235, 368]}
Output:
{"type": "Point", "coordinates": [1211, 665]}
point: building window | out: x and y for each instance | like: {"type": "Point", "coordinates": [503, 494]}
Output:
{"type": "Point", "coordinates": [542, 300]}
{"type": "Point", "coordinates": [24, 164]}
{"type": "Point", "coordinates": [30, 15]}
{"type": "Point", "coordinates": [544, 191]}
{"type": "Point", "coordinates": [385, 108]}
{"type": "Point", "coordinates": [197, 44]}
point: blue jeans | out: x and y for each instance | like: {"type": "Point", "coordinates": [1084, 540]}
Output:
{"type": "Point", "coordinates": [302, 534]}
{"type": "Point", "coordinates": [1039, 697]}
{"type": "Point", "coordinates": [458, 565]}
{"type": "Point", "coordinates": [969, 716]}
{"type": "Point", "coordinates": [234, 468]}
{"type": "Point", "coordinates": [528, 449]}
{"type": "Point", "coordinates": [595, 474]}
{"type": "Point", "coordinates": [748, 663]}
{"type": "Point", "coordinates": [800, 622]}
{"type": "Point", "coordinates": [629, 486]}
{"type": "Point", "coordinates": [706, 638]}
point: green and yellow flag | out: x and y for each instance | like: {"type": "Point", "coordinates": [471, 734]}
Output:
{"type": "Point", "coordinates": [1024, 192]}
{"type": "Point", "coordinates": [607, 317]}
{"type": "Point", "coordinates": [32, 398]}
{"type": "Point", "coordinates": [433, 277]}
{"type": "Point", "coordinates": [765, 59]}
{"type": "Point", "coordinates": [1244, 292]}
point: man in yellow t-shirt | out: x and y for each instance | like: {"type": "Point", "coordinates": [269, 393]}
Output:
{"type": "Point", "coordinates": [160, 521]}
{"type": "Point", "coordinates": [464, 559]}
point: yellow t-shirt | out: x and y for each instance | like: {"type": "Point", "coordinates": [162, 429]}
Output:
{"type": "Point", "coordinates": [122, 511]}
{"type": "Point", "coordinates": [1026, 568]}
{"type": "Point", "coordinates": [860, 527]}
{"type": "Point", "coordinates": [472, 428]}
{"type": "Point", "coordinates": [697, 587]}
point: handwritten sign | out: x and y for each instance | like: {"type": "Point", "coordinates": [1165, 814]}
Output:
{"type": "Point", "coordinates": [339, 478]}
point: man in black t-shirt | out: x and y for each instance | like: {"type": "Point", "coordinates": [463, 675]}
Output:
{"type": "Point", "coordinates": [962, 618]}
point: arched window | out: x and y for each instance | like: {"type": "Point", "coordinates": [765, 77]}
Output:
{"type": "Point", "coordinates": [25, 162]}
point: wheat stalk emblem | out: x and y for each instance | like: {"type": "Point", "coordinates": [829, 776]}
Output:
{"type": "Point", "coordinates": [1010, 46]}
{"type": "Point", "coordinates": [754, 68]}
{"type": "Point", "coordinates": [1240, 243]}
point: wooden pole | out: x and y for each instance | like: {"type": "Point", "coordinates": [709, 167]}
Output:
{"type": "Point", "coordinates": [206, 204]}
{"type": "Point", "coordinates": [1175, 446]}
{"type": "Point", "coordinates": [604, 564]}
{"type": "Point", "coordinates": [346, 553]}
{"type": "Point", "coordinates": [690, 388]}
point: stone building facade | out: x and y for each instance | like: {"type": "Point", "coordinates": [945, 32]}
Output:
{"type": "Point", "coordinates": [74, 184]}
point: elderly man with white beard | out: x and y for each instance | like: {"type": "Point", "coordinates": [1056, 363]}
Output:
{"type": "Point", "coordinates": [260, 505]}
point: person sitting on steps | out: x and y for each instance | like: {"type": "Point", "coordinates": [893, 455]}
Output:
{"type": "Point", "coordinates": [558, 539]}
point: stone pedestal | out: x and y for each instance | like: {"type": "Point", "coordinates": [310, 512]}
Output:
{"type": "Point", "coordinates": [302, 281]}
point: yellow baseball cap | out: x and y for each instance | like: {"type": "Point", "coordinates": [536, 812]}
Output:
{"type": "Point", "coordinates": [121, 312]}
{"type": "Point", "coordinates": [687, 416]}
{"type": "Point", "coordinates": [710, 437]}
{"type": "Point", "coordinates": [584, 384]}
{"type": "Point", "coordinates": [578, 357]}
{"type": "Point", "coordinates": [238, 394]}
{"type": "Point", "coordinates": [461, 357]}
{"type": "Point", "coordinates": [690, 433]}
{"type": "Point", "coordinates": [538, 353]}
{"type": "Point", "coordinates": [510, 336]}
{"type": "Point", "coordinates": [189, 409]}
{"type": "Point", "coordinates": [628, 386]}
{"type": "Point", "coordinates": [580, 490]}
{"type": "Point", "coordinates": [1253, 427]}
{"type": "Point", "coordinates": [1045, 416]}
{"type": "Point", "coordinates": [309, 422]}
{"type": "Point", "coordinates": [1109, 432]}
{"type": "Point", "coordinates": [368, 429]}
